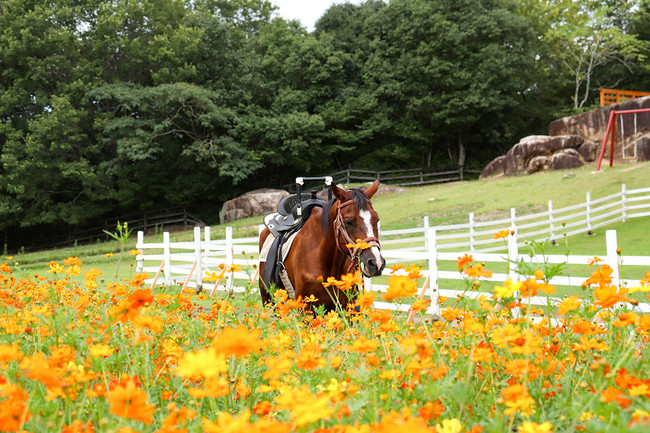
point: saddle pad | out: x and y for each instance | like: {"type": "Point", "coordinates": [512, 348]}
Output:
{"type": "Point", "coordinates": [286, 247]}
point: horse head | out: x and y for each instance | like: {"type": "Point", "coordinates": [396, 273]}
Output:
{"type": "Point", "coordinates": [357, 220]}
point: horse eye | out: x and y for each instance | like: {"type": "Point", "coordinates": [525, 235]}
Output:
{"type": "Point", "coordinates": [349, 223]}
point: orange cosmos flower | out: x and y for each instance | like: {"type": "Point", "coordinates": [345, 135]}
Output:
{"type": "Point", "coordinates": [359, 245]}
{"type": "Point", "coordinates": [517, 399]}
{"type": "Point", "coordinates": [594, 260]}
{"type": "Point", "coordinates": [477, 271]}
{"type": "Point", "coordinates": [601, 276]}
{"type": "Point", "coordinates": [533, 427]}
{"type": "Point", "coordinates": [10, 352]}
{"type": "Point", "coordinates": [465, 260]}
{"type": "Point", "coordinates": [72, 261]}
{"type": "Point", "coordinates": [609, 296]}
{"type": "Point", "coordinates": [508, 289]}
{"type": "Point", "coordinates": [78, 426]}
{"type": "Point", "coordinates": [140, 298]}
{"type": "Point", "coordinates": [431, 410]}
{"type": "Point", "coordinates": [568, 304]}
{"type": "Point", "coordinates": [364, 345]}
{"type": "Point", "coordinates": [349, 280]}
{"type": "Point", "coordinates": [129, 401]}
{"type": "Point", "coordinates": [238, 341]}
{"type": "Point", "coordinates": [365, 300]}
{"type": "Point", "coordinates": [502, 234]}
{"type": "Point", "coordinates": [304, 406]}
{"type": "Point", "coordinates": [615, 395]}
{"type": "Point", "coordinates": [310, 357]}
{"type": "Point", "coordinates": [204, 363]}
{"type": "Point", "coordinates": [590, 344]}
{"type": "Point", "coordinates": [399, 287]}
{"type": "Point", "coordinates": [626, 319]}
{"type": "Point", "coordinates": [13, 407]}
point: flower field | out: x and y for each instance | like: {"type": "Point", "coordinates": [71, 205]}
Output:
{"type": "Point", "coordinates": [81, 355]}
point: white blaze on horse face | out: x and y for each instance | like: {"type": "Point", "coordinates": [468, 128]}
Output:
{"type": "Point", "coordinates": [366, 217]}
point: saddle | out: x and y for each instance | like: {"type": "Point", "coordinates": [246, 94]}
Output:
{"type": "Point", "coordinates": [292, 213]}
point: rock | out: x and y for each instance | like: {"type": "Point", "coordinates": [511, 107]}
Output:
{"type": "Point", "coordinates": [589, 150]}
{"type": "Point", "coordinates": [517, 158]}
{"type": "Point", "coordinates": [253, 203]}
{"type": "Point", "coordinates": [536, 164]}
{"type": "Point", "coordinates": [494, 168]}
{"type": "Point", "coordinates": [565, 159]}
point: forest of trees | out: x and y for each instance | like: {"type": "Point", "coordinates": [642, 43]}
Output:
{"type": "Point", "coordinates": [110, 107]}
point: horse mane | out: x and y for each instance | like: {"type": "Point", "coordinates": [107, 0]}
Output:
{"type": "Point", "coordinates": [360, 199]}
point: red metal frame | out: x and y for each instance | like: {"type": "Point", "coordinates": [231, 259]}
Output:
{"type": "Point", "coordinates": [611, 130]}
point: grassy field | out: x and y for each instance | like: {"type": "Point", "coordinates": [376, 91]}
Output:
{"type": "Point", "coordinates": [443, 204]}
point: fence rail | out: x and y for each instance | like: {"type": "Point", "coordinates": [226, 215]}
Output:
{"type": "Point", "coordinates": [406, 177]}
{"type": "Point", "coordinates": [136, 222]}
{"type": "Point", "coordinates": [612, 96]}
{"type": "Point", "coordinates": [430, 246]}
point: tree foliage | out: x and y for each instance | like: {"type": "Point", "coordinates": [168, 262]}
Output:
{"type": "Point", "coordinates": [115, 106]}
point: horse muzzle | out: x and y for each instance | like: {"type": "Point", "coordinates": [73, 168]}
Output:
{"type": "Point", "coordinates": [373, 262]}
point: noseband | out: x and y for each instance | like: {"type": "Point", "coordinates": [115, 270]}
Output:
{"type": "Point", "coordinates": [340, 229]}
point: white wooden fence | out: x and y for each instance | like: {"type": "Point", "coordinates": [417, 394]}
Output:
{"type": "Point", "coordinates": [429, 246]}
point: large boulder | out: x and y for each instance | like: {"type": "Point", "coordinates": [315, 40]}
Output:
{"type": "Point", "coordinates": [253, 203]}
{"type": "Point", "coordinates": [589, 151]}
{"type": "Point", "coordinates": [494, 168]}
{"type": "Point", "coordinates": [531, 154]}
{"type": "Point", "coordinates": [565, 159]}
{"type": "Point", "coordinates": [518, 157]}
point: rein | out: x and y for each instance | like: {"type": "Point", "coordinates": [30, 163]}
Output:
{"type": "Point", "coordinates": [339, 229]}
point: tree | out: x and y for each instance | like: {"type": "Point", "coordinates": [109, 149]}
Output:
{"type": "Point", "coordinates": [581, 37]}
{"type": "Point", "coordinates": [446, 73]}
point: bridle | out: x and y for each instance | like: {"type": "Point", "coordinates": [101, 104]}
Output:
{"type": "Point", "coordinates": [340, 229]}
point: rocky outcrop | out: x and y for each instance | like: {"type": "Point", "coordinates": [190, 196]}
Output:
{"type": "Point", "coordinates": [253, 203]}
{"type": "Point", "coordinates": [536, 153]}
{"type": "Point", "coordinates": [576, 140]}
{"type": "Point", "coordinates": [592, 124]}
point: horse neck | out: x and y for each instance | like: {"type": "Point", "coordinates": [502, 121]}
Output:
{"type": "Point", "coordinates": [339, 260]}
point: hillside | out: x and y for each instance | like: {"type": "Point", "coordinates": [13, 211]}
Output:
{"type": "Point", "coordinates": [443, 204]}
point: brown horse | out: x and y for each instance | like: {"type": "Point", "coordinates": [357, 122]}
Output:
{"type": "Point", "coordinates": [319, 249]}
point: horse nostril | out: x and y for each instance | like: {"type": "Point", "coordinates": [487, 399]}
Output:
{"type": "Point", "coordinates": [372, 264]}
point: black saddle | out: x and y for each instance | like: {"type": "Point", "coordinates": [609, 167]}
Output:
{"type": "Point", "coordinates": [292, 213]}
{"type": "Point", "coordinates": [292, 210]}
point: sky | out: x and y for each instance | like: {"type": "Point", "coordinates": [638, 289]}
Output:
{"type": "Point", "coordinates": [306, 11]}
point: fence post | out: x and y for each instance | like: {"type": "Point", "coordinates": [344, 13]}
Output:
{"type": "Point", "coordinates": [426, 232]}
{"type": "Point", "coordinates": [513, 256]}
{"type": "Point", "coordinates": [198, 252]}
{"type": "Point", "coordinates": [472, 240]}
{"type": "Point", "coordinates": [434, 288]}
{"type": "Point", "coordinates": [513, 219]}
{"type": "Point", "coordinates": [167, 257]}
{"type": "Point", "coordinates": [588, 206]}
{"type": "Point", "coordinates": [623, 202]}
{"type": "Point", "coordinates": [612, 255]}
{"type": "Point", "coordinates": [139, 267]}
{"type": "Point", "coordinates": [550, 219]}
{"type": "Point", "coordinates": [229, 258]}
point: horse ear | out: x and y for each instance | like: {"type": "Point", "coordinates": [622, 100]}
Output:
{"type": "Point", "coordinates": [340, 193]}
{"type": "Point", "coordinates": [372, 189]}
